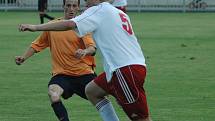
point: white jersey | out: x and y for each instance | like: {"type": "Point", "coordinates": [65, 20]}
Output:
{"type": "Point", "coordinates": [113, 36]}
{"type": "Point", "coordinates": [118, 3]}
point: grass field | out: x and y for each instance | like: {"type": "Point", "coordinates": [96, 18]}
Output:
{"type": "Point", "coordinates": [179, 50]}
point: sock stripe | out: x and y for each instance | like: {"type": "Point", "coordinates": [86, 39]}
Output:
{"type": "Point", "coordinates": [106, 110]}
{"type": "Point", "coordinates": [102, 103]}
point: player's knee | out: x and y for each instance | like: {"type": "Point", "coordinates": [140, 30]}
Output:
{"type": "Point", "coordinates": [54, 93]}
{"type": "Point", "coordinates": [54, 97]}
{"type": "Point", "coordinates": [94, 91]}
{"type": "Point", "coordinates": [88, 90]}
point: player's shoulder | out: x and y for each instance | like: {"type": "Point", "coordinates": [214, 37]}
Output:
{"type": "Point", "coordinates": [96, 8]}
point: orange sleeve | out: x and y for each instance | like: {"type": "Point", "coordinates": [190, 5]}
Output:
{"type": "Point", "coordinates": [88, 40]}
{"type": "Point", "coordinates": [41, 42]}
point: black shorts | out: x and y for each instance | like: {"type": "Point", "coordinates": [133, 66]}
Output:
{"type": "Point", "coordinates": [42, 5]}
{"type": "Point", "coordinates": [72, 84]}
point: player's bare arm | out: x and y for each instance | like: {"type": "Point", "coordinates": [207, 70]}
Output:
{"type": "Point", "coordinates": [55, 26]}
{"type": "Point", "coordinates": [90, 51]}
{"type": "Point", "coordinates": [28, 53]}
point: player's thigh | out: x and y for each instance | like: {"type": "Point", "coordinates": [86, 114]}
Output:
{"type": "Point", "coordinates": [79, 83]}
{"type": "Point", "coordinates": [62, 81]}
{"type": "Point", "coordinates": [127, 83]}
{"type": "Point", "coordinates": [98, 87]}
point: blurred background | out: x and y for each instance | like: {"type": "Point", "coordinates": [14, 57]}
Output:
{"type": "Point", "coordinates": [133, 5]}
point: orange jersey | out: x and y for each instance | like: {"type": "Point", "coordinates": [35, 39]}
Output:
{"type": "Point", "coordinates": [63, 45]}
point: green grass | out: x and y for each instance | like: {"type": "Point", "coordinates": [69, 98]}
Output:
{"type": "Point", "coordinates": [180, 56]}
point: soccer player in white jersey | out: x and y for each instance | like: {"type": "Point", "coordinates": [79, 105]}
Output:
{"type": "Point", "coordinates": [123, 60]}
{"type": "Point", "coordinates": [120, 4]}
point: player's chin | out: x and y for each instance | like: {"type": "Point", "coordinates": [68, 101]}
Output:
{"type": "Point", "coordinates": [70, 15]}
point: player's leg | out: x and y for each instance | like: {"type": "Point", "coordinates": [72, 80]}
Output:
{"type": "Point", "coordinates": [78, 84]}
{"type": "Point", "coordinates": [97, 97]}
{"type": "Point", "coordinates": [48, 17]}
{"type": "Point", "coordinates": [44, 15]}
{"type": "Point", "coordinates": [44, 7]}
{"type": "Point", "coordinates": [56, 89]}
{"type": "Point", "coordinates": [128, 84]}
{"type": "Point", "coordinates": [41, 11]}
{"type": "Point", "coordinates": [41, 15]}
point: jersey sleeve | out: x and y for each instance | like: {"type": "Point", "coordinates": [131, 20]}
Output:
{"type": "Point", "coordinates": [88, 21]}
{"type": "Point", "coordinates": [41, 42]}
{"type": "Point", "coordinates": [88, 40]}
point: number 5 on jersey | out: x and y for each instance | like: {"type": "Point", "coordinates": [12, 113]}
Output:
{"type": "Point", "coordinates": [126, 25]}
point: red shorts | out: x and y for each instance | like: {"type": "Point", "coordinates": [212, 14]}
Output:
{"type": "Point", "coordinates": [122, 8]}
{"type": "Point", "coordinates": [127, 87]}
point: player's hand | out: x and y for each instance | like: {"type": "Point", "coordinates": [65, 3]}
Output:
{"type": "Point", "coordinates": [27, 27]}
{"type": "Point", "coordinates": [19, 60]}
{"type": "Point", "coordinates": [80, 53]}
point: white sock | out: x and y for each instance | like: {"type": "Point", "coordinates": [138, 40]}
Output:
{"type": "Point", "coordinates": [106, 110]}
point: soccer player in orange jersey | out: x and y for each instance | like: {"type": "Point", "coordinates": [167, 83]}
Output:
{"type": "Point", "coordinates": [72, 63]}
